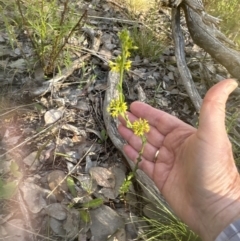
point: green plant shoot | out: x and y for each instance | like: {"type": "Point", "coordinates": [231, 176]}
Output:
{"type": "Point", "coordinates": [118, 107]}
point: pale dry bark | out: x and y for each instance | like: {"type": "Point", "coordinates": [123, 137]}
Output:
{"type": "Point", "coordinates": [202, 28]}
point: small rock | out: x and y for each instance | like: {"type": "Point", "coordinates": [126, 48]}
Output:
{"type": "Point", "coordinates": [108, 193]}
{"type": "Point", "coordinates": [219, 77]}
{"type": "Point", "coordinates": [32, 161]}
{"type": "Point", "coordinates": [146, 61]}
{"type": "Point", "coordinates": [151, 82]}
{"type": "Point", "coordinates": [171, 68]}
{"type": "Point", "coordinates": [57, 227]}
{"type": "Point", "coordinates": [156, 75]}
{"type": "Point", "coordinates": [4, 51]}
{"type": "Point", "coordinates": [132, 223]}
{"type": "Point", "coordinates": [106, 52]}
{"type": "Point", "coordinates": [72, 156]}
{"type": "Point", "coordinates": [56, 183]}
{"type": "Point", "coordinates": [82, 105]}
{"type": "Point", "coordinates": [120, 235]}
{"type": "Point", "coordinates": [71, 225]}
{"type": "Point", "coordinates": [60, 101]}
{"type": "Point", "coordinates": [53, 115]}
{"type": "Point", "coordinates": [103, 176]}
{"type": "Point", "coordinates": [141, 94]}
{"type": "Point", "coordinates": [131, 197]}
{"type": "Point", "coordinates": [163, 102]}
{"type": "Point", "coordinates": [57, 211]}
{"type": "Point", "coordinates": [106, 38]}
{"type": "Point", "coordinates": [171, 76]}
{"type": "Point", "coordinates": [105, 222]}
{"type": "Point", "coordinates": [34, 196]}
{"type": "Point", "coordinates": [120, 176]}
{"type": "Point", "coordinates": [88, 184]}
{"type": "Point", "coordinates": [64, 144]}
{"type": "Point", "coordinates": [17, 51]}
{"type": "Point", "coordinates": [137, 58]}
{"type": "Point", "coordinates": [89, 164]}
{"type": "Point", "coordinates": [70, 167]}
{"type": "Point", "coordinates": [165, 78]}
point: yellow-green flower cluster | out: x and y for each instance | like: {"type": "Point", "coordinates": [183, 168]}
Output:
{"type": "Point", "coordinates": [140, 127]}
{"type": "Point", "coordinates": [122, 62]}
{"type": "Point", "coordinates": [117, 107]}
{"type": "Point", "coordinates": [116, 66]}
{"type": "Point", "coordinates": [127, 43]}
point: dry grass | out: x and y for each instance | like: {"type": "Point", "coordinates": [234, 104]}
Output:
{"type": "Point", "coordinates": [229, 13]}
{"type": "Point", "coordinates": [146, 37]}
{"type": "Point", "coordinates": [137, 6]}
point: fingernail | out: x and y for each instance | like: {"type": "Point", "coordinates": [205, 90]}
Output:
{"type": "Point", "coordinates": [232, 85]}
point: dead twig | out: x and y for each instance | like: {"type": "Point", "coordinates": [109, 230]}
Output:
{"type": "Point", "coordinates": [181, 61]}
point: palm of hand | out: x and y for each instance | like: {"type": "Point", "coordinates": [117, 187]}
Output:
{"type": "Point", "coordinates": [194, 168]}
{"type": "Point", "coordinates": [189, 172]}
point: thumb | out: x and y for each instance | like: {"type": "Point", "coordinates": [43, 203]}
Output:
{"type": "Point", "coordinates": [212, 113]}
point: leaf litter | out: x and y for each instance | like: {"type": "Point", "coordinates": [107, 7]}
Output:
{"type": "Point", "coordinates": [53, 132]}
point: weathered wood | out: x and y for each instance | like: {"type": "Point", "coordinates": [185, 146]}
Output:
{"type": "Point", "coordinates": [202, 28]}
{"type": "Point", "coordinates": [209, 38]}
{"type": "Point", "coordinates": [184, 71]}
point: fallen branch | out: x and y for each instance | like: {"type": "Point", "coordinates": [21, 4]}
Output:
{"type": "Point", "coordinates": [202, 28]}
{"type": "Point", "coordinates": [212, 41]}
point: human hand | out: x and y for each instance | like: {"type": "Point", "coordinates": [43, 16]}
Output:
{"type": "Point", "coordinates": [195, 168]}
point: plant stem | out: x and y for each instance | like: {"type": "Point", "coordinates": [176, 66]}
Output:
{"type": "Point", "coordinates": [69, 35]}
{"type": "Point", "coordinates": [26, 25]}
{"type": "Point", "coordinates": [139, 159]}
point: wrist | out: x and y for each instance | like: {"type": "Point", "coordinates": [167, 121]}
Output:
{"type": "Point", "coordinates": [222, 213]}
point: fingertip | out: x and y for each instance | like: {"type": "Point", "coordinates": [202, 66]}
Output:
{"type": "Point", "coordinates": [232, 85]}
{"type": "Point", "coordinates": [212, 114]}
{"type": "Point", "coordinates": [225, 85]}
{"type": "Point", "coordinates": [136, 105]}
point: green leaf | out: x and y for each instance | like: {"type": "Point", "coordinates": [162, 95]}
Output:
{"type": "Point", "coordinates": [126, 183]}
{"type": "Point", "coordinates": [95, 203]}
{"type": "Point", "coordinates": [38, 107]}
{"type": "Point", "coordinates": [1, 184]}
{"type": "Point", "coordinates": [8, 189]}
{"type": "Point", "coordinates": [14, 169]}
{"type": "Point", "coordinates": [71, 186]}
{"type": "Point", "coordinates": [84, 215]}
{"type": "Point", "coordinates": [104, 135]}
